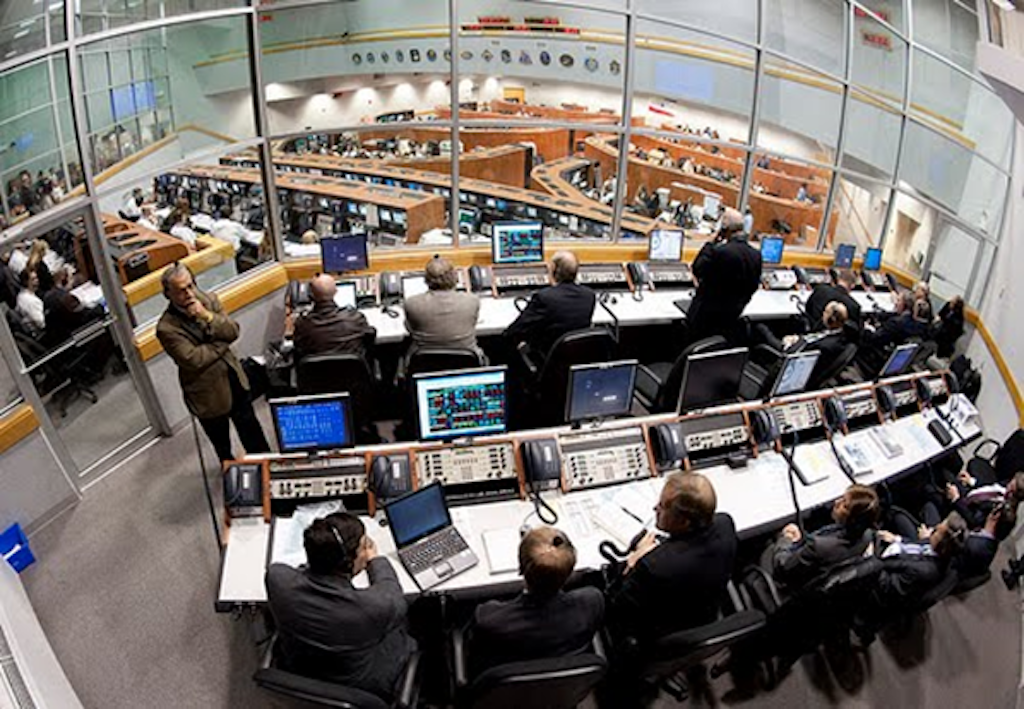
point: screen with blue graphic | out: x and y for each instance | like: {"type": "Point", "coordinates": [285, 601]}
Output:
{"type": "Point", "coordinates": [771, 249]}
{"type": "Point", "coordinates": [418, 514]}
{"type": "Point", "coordinates": [344, 253]}
{"type": "Point", "coordinates": [600, 391]}
{"type": "Point", "coordinates": [466, 403]}
{"type": "Point", "coordinates": [309, 423]}
{"type": "Point", "coordinates": [517, 242]}
{"type": "Point", "coordinates": [844, 255]}
{"type": "Point", "coordinates": [873, 259]}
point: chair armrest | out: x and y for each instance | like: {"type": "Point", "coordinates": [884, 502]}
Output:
{"type": "Point", "coordinates": [734, 597]}
{"type": "Point", "coordinates": [768, 581]}
{"type": "Point", "coordinates": [459, 664]}
{"type": "Point", "coordinates": [765, 353]}
{"type": "Point", "coordinates": [524, 354]}
{"type": "Point", "coordinates": [644, 371]}
{"type": "Point", "coordinates": [267, 656]}
{"type": "Point", "coordinates": [408, 694]}
{"type": "Point", "coordinates": [990, 458]}
{"type": "Point", "coordinates": [598, 645]}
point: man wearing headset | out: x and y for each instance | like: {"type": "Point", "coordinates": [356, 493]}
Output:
{"type": "Point", "coordinates": [327, 628]}
{"type": "Point", "coordinates": [727, 272]}
{"type": "Point", "coordinates": [196, 333]}
{"type": "Point", "coordinates": [543, 621]}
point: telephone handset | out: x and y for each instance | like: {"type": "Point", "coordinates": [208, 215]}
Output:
{"type": "Point", "coordinates": [836, 418]}
{"type": "Point", "coordinates": [243, 490]}
{"type": "Point", "coordinates": [480, 278]}
{"type": "Point", "coordinates": [669, 446]}
{"type": "Point", "coordinates": [390, 476]}
{"type": "Point", "coordinates": [640, 274]}
{"type": "Point", "coordinates": [924, 392]}
{"type": "Point", "coordinates": [390, 287]}
{"type": "Point", "coordinates": [298, 294]}
{"type": "Point", "coordinates": [801, 275]}
{"type": "Point", "coordinates": [886, 400]}
{"type": "Point", "coordinates": [765, 428]}
{"type": "Point", "coordinates": [542, 464]}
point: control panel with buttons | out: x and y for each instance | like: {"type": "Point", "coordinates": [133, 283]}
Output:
{"type": "Point", "coordinates": [317, 477]}
{"type": "Point", "coordinates": [470, 464]}
{"type": "Point", "coordinates": [604, 457]}
{"type": "Point", "coordinates": [797, 416]}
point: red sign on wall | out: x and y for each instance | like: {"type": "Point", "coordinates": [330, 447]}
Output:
{"type": "Point", "coordinates": [877, 39]}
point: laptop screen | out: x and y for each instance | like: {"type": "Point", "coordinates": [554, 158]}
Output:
{"type": "Point", "coordinates": [418, 514]}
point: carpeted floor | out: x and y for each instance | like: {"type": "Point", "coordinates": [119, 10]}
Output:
{"type": "Point", "coordinates": [125, 584]}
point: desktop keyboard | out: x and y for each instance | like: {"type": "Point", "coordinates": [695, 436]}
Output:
{"type": "Point", "coordinates": [424, 554]}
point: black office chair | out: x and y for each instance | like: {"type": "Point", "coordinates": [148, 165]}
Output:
{"type": "Point", "coordinates": [442, 359]}
{"type": "Point", "coordinates": [551, 683]}
{"type": "Point", "coordinates": [548, 382]}
{"type": "Point", "coordinates": [1004, 461]}
{"type": "Point", "coordinates": [825, 372]}
{"type": "Point", "coordinates": [331, 694]}
{"type": "Point", "coordinates": [331, 373]}
{"type": "Point", "coordinates": [658, 384]}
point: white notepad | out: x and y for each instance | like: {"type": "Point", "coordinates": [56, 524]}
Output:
{"type": "Point", "coordinates": [502, 548]}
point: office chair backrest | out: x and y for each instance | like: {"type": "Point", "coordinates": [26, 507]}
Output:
{"type": "Point", "coordinates": [316, 691]}
{"type": "Point", "coordinates": [439, 359]}
{"type": "Point", "coordinates": [687, 648]}
{"type": "Point", "coordinates": [668, 395]}
{"type": "Point", "coordinates": [595, 344]}
{"type": "Point", "coordinates": [825, 370]}
{"type": "Point", "coordinates": [329, 373]}
{"type": "Point", "coordinates": [555, 683]}
{"type": "Point", "coordinates": [1010, 458]}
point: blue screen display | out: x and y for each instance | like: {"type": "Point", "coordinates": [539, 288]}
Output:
{"type": "Point", "coordinates": [312, 424]}
{"type": "Point", "coordinates": [844, 255]}
{"type": "Point", "coordinates": [341, 254]}
{"type": "Point", "coordinates": [469, 403]}
{"type": "Point", "coordinates": [771, 249]}
{"type": "Point", "coordinates": [899, 360]}
{"type": "Point", "coordinates": [415, 516]}
{"type": "Point", "coordinates": [873, 259]}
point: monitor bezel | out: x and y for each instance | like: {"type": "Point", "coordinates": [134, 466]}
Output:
{"type": "Point", "coordinates": [884, 374]}
{"type": "Point", "coordinates": [702, 356]}
{"type": "Point", "coordinates": [494, 242]}
{"type": "Point", "coordinates": [782, 249]}
{"type": "Point", "coordinates": [577, 368]}
{"type": "Point", "coordinates": [816, 354]}
{"type": "Point", "coordinates": [419, 379]}
{"type": "Point", "coordinates": [409, 276]}
{"type": "Point", "coordinates": [872, 249]}
{"type": "Point", "coordinates": [338, 237]}
{"type": "Point", "coordinates": [682, 246]}
{"type": "Point", "coordinates": [275, 404]}
{"type": "Point", "coordinates": [348, 285]}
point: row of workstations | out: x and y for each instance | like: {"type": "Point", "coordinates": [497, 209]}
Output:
{"type": "Point", "coordinates": [597, 482]}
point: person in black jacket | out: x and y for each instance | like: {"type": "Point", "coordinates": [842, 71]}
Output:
{"type": "Point", "coordinates": [677, 583]}
{"type": "Point", "coordinates": [727, 272]}
{"type": "Point", "coordinates": [555, 310]}
{"type": "Point", "coordinates": [543, 621]}
{"type": "Point", "coordinates": [796, 558]}
{"type": "Point", "coordinates": [950, 327]}
{"type": "Point", "coordinates": [825, 293]}
{"type": "Point", "coordinates": [914, 563]}
{"type": "Point", "coordinates": [327, 628]}
{"type": "Point", "coordinates": [913, 319]}
{"type": "Point", "coordinates": [328, 329]}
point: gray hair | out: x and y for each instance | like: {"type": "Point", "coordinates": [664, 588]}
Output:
{"type": "Point", "coordinates": [171, 272]}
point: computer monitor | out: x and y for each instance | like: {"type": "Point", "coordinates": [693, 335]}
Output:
{"type": "Point", "coordinates": [413, 285]}
{"type": "Point", "coordinates": [469, 402]}
{"type": "Point", "coordinates": [844, 255]}
{"type": "Point", "coordinates": [712, 203]}
{"type": "Point", "coordinates": [600, 391]}
{"type": "Point", "coordinates": [665, 245]}
{"type": "Point", "coordinates": [469, 218]}
{"type": "Point", "coordinates": [771, 249]}
{"type": "Point", "coordinates": [345, 297]}
{"type": "Point", "coordinates": [308, 423]}
{"type": "Point", "coordinates": [517, 242]}
{"type": "Point", "coordinates": [712, 378]}
{"type": "Point", "coordinates": [795, 373]}
{"type": "Point", "coordinates": [873, 259]}
{"type": "Point", "coordinates": [344, 253]}
{"type": "Point", "coordinates": [899, 360]}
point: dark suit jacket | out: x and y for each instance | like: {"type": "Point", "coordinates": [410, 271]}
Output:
{"type": "Point", "coordinates": [529, 629]}
{"type": "Point", "coordinates": [330, 630]}
{"type": "Point", "coordinates": [977, 556]}
{"type": "Point", "coordinates": [442, 318]}
{"type": "Point", "coordinates": [794, 565]}
{"type": "Point", "coordinates": [728, 274]}
{"type": "Point", "coordinates": [905, 578]}
{"type": "Point", "coordinates": [877, 346]}
{"type": "Point", "coordinates": [677, 585]}
{"type": "Point", "coordinates": [822, 295]}
{"type": "Point", "coordinates": [204, 356]}
{"type": "Point", "coordinates": [831, 347]}
{"type": "Point", "coordinates": [328, 329]}
{"type": "Point", "coordinates": [552, 312]}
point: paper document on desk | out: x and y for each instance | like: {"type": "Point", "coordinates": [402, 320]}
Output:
{"type": "Point", "coordinates": [635, 500]}
{"type": "Point", "coordinates": [615, 521]}
{"type": "Point", "coordinates": [502, 547]}
{"type": "Point", "coordinates": [286, 532]}
{"type": "Point", "coordinates": [860, 454]}
{"type": "Point", "coordinates": [575, 517]}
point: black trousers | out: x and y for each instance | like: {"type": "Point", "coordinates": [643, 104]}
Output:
{"type": "Point", "coordinates": [218, 429]}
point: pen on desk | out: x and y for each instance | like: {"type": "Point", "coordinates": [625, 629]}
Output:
{"type": "Point", "coordinates": [631, 514]}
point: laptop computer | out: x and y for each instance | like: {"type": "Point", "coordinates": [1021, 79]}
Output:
{"type": "Point", "coordinates": [429, 547]}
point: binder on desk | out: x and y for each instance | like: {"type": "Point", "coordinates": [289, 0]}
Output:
{"type": "Point", "coordinates": [502, 549]}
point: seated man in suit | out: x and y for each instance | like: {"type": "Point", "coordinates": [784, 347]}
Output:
{"type": "Point", "coordinates": [678, 583]}
{"type": "Point", "coordinates": [544, 620]}
{"type": "Point", "coordinates": [825, 293]}
{"type": "Point", "coordinates": [328, 329]}
{"type": "Point", "coordinates": [913, 318]}
{"type": "Point", "coordinates": [831, 341]}
{"type": "Point", "coordinates": [442, 317]}
{"type": "Point", "coordinates": [796, 558]}
{"type": "Point", "coordinates": [555, 310]}
{"type": "Point", "coordinates": [327, 628]}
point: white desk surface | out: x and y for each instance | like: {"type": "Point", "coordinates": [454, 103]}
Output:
{"type": "Point", "coordinates": [757, 496]}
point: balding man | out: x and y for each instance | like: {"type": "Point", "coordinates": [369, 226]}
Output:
{"type": "Point", "coordinates": [678, 583]}
{"type": "Point", "coordinates": [543, 621]}
{"type": "Point", "coordinates": [728, 272]}
{"type": "Point", "coordinates": [442, 317]}
{"type": "Point", "coordinates": [196, 333]}
{"type": "Point", "coordinates": [825, 293]}
{"type": "Point", "coordinates": [555, 310]}
{"type": "Point", "coordinates": [328, 329]}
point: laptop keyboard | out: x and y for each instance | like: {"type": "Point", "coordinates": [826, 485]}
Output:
{"type": "Point", "coordinates": [424, 554]}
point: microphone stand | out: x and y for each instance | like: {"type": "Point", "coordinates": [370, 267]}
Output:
{"type": "Point", "coordinates": [602, 300]}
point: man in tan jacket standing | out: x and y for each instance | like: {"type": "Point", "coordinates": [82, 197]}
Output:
{"type": "Point", "coordinates": [197, 335]}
